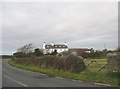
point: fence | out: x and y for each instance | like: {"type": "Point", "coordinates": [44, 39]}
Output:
{"type": "Point", "coordinates": [111, 63]}
{"type": "Point", "coordinates": [96, 65]}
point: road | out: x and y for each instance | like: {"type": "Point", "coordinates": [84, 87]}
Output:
{"type": "Point", "coordinates": [16, 77]}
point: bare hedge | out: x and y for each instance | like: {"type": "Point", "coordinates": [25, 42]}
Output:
{"type": "Point", "coordinates": [113, 62]}
{"type": "Point", "coordinates": [70, 63]}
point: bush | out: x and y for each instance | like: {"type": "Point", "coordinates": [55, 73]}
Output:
{"type": "Point", "coordinates": [113, 62]}
{"type": "Point", "coordinates": [74, 63]}
{"type": "Point", "coordinates": [19, 55]}
{"type": "Point", "coordinates": [37, 52]}
{"type": "Point", "coordinates": [22, 55]}
{"type": "Point", "coordinates": [70, 63]}
{"type": "Point", "coordinates": [54, 52]}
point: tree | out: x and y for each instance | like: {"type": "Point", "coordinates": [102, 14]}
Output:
{"type": "Point", "coordinates": [26, 48]}
{"type": "Point", "coordinates": [19, 55]}
{"type": "Point", "coordinates": [54, 52]}
{"type": "Point", "coordinates": [37, 52]}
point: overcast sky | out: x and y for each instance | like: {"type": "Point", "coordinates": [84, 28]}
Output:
{"type": "Point", "coordinates": [81, 25]}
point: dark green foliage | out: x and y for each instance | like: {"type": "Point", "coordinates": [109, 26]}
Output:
{"type": "Point", "coordinates": [22, 55]}
{"type": "Point", "coordinates": [19, 54]}
{"type": "Point", "coordinates": [37, 52]}
{"type": "Point", "coordinates": [69, 63]}
{"type": "Point", "coordinates": [54, 52]}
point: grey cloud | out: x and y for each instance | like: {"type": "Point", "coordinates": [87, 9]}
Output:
{"type": "Point", "coordinates": [79, 24]}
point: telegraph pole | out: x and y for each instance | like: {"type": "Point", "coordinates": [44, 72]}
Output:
{"type": "Point", "coordinates": [104, 46]}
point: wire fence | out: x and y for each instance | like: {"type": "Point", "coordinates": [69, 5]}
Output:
{"type": "Point", "coordinates": [96, 65]}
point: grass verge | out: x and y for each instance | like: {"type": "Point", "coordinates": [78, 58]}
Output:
{"type": "Point", "coordinates": [101, 77]}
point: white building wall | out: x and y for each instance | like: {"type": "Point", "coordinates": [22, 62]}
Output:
{"type": "Point", "coordinates": [45, 51]}
{"type": "Point", "coordinates": [58, 50]}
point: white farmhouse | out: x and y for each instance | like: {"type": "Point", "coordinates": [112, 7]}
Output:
{"type": "Point", "coordinates": [49, 48]}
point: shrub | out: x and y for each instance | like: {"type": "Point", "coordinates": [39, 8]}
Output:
{"type": "Point", "coordinates": [54, 52]}
{"type": "Point", "coordinates": [70, 63]}
{"type": "Point", "coordinates": [37, 52]}
{"type": "Point", "coordinates": [22, 55]}
{"type": "Point", "coordinates": [74, 63]}
{"type": "Point", "coordinates": [19, 54]}
{"type": "Point", "coordinates": [113, 62]}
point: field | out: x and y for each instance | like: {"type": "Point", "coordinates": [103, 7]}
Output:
{"type": "Point", "coordinates": [94, 65]}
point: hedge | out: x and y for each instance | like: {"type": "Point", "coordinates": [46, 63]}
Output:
{"type": "Point", "coordinates": [70, 63]}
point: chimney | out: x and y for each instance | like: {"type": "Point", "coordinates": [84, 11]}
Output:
{"type": "Point", "coordinates": [44, 45]}
{"type": "Point", "coordinates": [65, 44]}
{"type": "Point", "coordinates": [52, 44]}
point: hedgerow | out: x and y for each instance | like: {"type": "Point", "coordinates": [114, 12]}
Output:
{"type": "Point", "coordinates": [69, 63]}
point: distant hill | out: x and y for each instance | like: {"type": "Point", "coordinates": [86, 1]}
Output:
{"type": "Point", "coordinates": [5, 56]}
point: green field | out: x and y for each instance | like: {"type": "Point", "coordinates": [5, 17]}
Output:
{"type": "Point", "coordinates": [89, 75]}
{"type": "Point", "coordinates": [94, 65]}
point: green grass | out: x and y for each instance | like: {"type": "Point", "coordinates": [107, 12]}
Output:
{"type": "Point", "coordinates": [100, 77]}
{"type": "Point", "coordinates": [95, 66]}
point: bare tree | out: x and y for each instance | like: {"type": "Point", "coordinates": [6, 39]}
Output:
{"type": "Point", "coordinates": [26, 48]}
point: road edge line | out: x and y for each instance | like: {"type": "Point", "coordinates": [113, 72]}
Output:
{"type": "Point", "coordinates": [15, 81]}
{"type": "Point", "coordinates": [59, 77]}
{"type": "Point", "coordinates": [102, 84]}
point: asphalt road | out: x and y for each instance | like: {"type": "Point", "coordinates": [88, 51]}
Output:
{"type": "Point", "coordinates": [16, 77]}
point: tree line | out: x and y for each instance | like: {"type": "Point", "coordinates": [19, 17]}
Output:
{"type": "Point", "coordinates": [28, 51]}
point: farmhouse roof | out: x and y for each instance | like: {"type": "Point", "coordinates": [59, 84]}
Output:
{"type": "Point", "coordinates": [80, 49]}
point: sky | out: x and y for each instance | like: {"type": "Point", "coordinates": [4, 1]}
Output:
{"type": "Point", "coordinates": [80, 24]}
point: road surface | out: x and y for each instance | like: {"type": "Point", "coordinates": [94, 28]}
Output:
{"type": "Point", "coordinates": [16, 77]}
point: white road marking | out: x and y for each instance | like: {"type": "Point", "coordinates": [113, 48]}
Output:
{"type": "Point", "coordinates": [15, 81]}
{"type": "Point", "coordinates": [59, 77]}
{"type": "Point", "coordinates": [79, 81]}
{"type": "Point", "coordinates": [76, 80]}
{"type": "Point", "coordinates": [102, 84]}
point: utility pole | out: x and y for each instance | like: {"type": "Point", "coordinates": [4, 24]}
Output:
{"type": "Point", "coordinates": [104, 46]}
